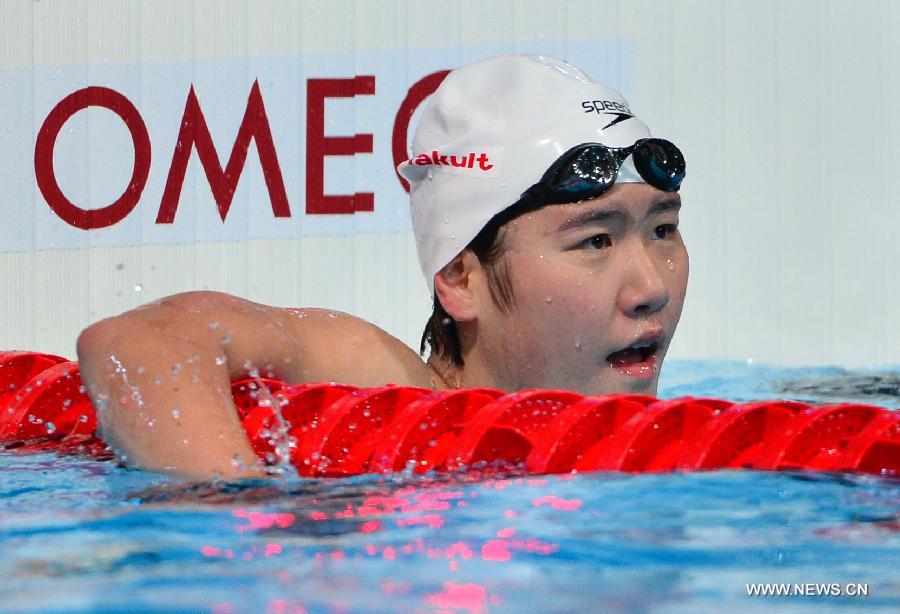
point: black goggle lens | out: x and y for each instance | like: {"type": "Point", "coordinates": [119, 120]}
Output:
{"type": "Point", "coordinates": [588, 170]}
{"type": "Point", "coordinates": [592, 169]}
{"type": "Point", "coordinates": [660, 163]}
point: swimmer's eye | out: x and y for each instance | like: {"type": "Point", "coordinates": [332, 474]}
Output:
{"type": "Point", "coordinates": [598, 242]}
{"type": "Point", "coordinates": [665, 231]}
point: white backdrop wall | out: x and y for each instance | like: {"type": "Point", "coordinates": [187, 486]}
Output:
{"type": "Point", "coordinates": [785, 112]}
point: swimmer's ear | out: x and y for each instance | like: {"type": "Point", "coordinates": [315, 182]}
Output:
{"type": "Point", "coordinates": [454, 287]}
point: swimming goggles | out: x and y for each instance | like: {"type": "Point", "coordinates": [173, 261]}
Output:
{"type": "Point", "coordinates": [590, 169]}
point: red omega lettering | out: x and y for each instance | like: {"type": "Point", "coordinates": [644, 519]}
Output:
{"type": "Point", "coordinates": [318, 145]}
{"type": "Point", "coordinates": [45, 174]}
{"type": "Point", "coordinates": [195, 133]}
{"type": "Point", "coordinates": [418, 92]}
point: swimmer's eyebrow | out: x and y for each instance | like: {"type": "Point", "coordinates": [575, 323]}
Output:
{"type": "Point", "coordinates": [599, 216]}
{"type": "Point", "coordinates": [665, 205]}
{"type": "Point", "coordinates": [592, 216]}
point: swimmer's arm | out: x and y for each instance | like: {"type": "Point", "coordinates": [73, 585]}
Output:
{"type": "Point", "coordinates": [163, 401]}
{"type": "Point", "coordinates": [160, 375]}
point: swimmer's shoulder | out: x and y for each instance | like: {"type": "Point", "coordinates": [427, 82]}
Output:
{"type": "Point", "coordinates": [297, 344]}
{"type": "Point", "coordinates": [341, 347]}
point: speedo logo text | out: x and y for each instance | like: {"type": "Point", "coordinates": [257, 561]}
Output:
{"type": "Point", "coordinates": [604, 106]}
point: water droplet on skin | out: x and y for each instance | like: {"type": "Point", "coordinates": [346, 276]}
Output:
{"type": "Point", "coordinates": [332, 315]}
{"type": "Point", "coordinates": [670, 265]}
{"type": "Point", "coordinates": [176, 368]}
{"type": "Point", "coordinates": [138, 287]}
{"type": "Point", "coordinates": [225, 339]}
{"type": "Point", "coordinates": [549, 299]}
{"type": "Point", "coordinates": [176, 413]}
{"type": "Point", "coordinates": [141, 369]}
{"type": "Point", "coordinates": [151, 422]}
{"type": "Point", "coordinates": [213, 325]}
{"type": "Point", "coordinates": [578, 345]}
{"type": "Point", "coordinates": [221, 360]}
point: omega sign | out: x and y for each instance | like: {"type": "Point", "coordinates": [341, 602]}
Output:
{"type": "Point", "coordinates": [194, 135]}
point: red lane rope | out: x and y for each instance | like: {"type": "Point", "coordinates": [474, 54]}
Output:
{"type": "Point", "coordinates": [337, 430]}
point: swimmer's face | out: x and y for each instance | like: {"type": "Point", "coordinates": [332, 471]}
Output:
{"type": "Point", "coordinates": [599, 286]}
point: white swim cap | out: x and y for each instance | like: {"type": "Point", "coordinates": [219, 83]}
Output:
{"type": "Point", "coordinates": [490, 131]}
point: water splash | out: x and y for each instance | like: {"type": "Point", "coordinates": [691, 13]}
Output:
{"type": "Point", "coordinates": [280, 437]}
{"type": "Point", "coordinates": [134, 391]}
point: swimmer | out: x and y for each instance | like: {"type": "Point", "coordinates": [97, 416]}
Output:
{"type": "Point", "coordinates": [546, 223]}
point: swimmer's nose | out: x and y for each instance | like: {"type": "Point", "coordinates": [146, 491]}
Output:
{"type": "Point", "coordinates": [644, 290]}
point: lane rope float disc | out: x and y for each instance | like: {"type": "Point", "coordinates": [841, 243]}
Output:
{"type": "Point", "coordinates": [334, 430]}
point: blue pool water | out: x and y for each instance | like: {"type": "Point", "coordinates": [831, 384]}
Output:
{"type": "Point", "coordinates": [84, 536]}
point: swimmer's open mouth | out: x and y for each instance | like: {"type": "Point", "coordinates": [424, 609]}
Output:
{"type": "Point", "coordinates": [638, 360]}
{"type": "Point", "coordinates": [639, 352]}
